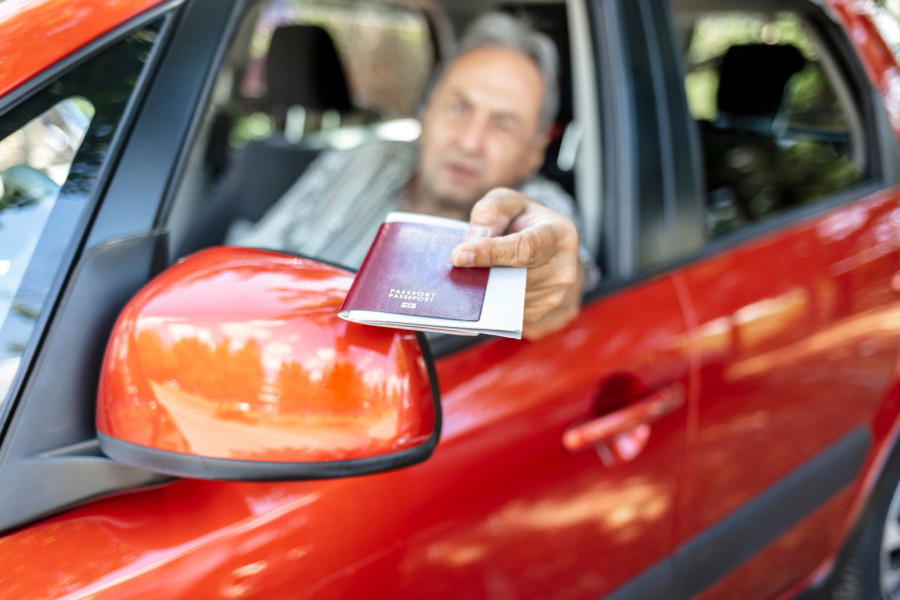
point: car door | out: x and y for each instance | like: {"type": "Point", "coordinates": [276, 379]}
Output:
{"type": "Point", "coordinates": [792, 303]}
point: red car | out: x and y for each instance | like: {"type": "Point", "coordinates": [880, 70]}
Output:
{"type": "Point", "coordinates": [720, 421]}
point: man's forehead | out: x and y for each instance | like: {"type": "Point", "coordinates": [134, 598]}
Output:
{"type": "Point", "coordinates": [494, 58]}
{"type": "Point", "coordinates": [505, 78]}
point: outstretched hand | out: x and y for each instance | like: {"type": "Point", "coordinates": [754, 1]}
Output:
{"type": "Point", "coordinates": [509, 229]}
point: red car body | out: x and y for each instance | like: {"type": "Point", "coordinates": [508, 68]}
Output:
{"type": "Point", "coordinates": [775, 350]}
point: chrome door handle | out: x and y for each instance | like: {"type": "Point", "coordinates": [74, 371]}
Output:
{"type": "Point", "coordinates": [642, 412]}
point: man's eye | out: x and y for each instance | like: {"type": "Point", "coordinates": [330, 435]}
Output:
{"type": "Point", "coordinates": [457, 109]}
{"type": "Point", "coordinates": [503, 125]}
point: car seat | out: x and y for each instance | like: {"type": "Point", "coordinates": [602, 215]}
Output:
{"type": "Point", "coordinates": [303, 70]}
{"type": "Point", "coordinates": [741, 148]}
{"type": "Point", "coordinates": [304, 75]}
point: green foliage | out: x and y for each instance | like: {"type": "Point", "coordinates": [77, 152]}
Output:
{"type": "Point", "coordinates": [250, 127]}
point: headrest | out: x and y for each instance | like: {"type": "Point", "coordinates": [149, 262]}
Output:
{"type": "Point", "coordinates": [752, 78]}
{"type": "Point", "coordinates": [303, 68]}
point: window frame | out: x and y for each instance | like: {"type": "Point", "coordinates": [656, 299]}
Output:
{"type": "Point", "coordinates": [883, 150]}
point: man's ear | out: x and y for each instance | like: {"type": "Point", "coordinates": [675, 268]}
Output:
{"type": "Point", "coordinates": [423, 108]}
{"type": "Point", "coordinates": [538, 151]}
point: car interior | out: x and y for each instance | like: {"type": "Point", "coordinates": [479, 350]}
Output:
{"type": "Point", "coordinates": [274, 112]}
{"type": "Point", "coordinates": [776, 114]}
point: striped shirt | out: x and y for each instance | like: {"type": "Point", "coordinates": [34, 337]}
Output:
{"type": "Point", "coordinates": [333, 211]}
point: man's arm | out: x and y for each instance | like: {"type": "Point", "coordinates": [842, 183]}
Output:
{"type": "Point", "coordinates": [509, 229]}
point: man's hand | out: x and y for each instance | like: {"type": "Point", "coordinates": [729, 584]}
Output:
{"type": "Point", "coordinates": [509, 229]}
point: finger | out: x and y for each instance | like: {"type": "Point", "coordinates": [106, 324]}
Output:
{"type": "Point", "coordinates": [496, 210]}
{"type": "Point", "coordinates": [521, 249]}
{"type": "Point", "coordinates": [478, 231]}
{"type": "Point", "coordinates": [548, 296]}
{"type": "Point", "coordinates": [559, 273]}
{"type": "Point", "coordinates": [490, 217]}
{"type": "Point", "coordinates": [537, 308]}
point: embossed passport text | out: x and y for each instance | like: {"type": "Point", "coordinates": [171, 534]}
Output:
{"type": "Point", "coordinates": [408, 281]}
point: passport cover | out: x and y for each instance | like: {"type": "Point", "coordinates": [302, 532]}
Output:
{"type": "Point", "coordinates": [407, 271]}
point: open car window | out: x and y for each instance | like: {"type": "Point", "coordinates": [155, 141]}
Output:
{"type": "Point", "coordinates": [303, 79]}
{"type": "Point", "coordinates": [300, 78]}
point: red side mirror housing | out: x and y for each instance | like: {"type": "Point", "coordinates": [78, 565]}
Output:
{"type": "Point", "coordinates": [233, 364]}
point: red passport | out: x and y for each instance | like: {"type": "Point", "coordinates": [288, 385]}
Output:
{"type": "Point", "coordinates": [408, 281]}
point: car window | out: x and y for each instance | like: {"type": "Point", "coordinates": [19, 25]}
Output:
{"type": "Point", "coordinates": [34, 162]}
{"type": "Point", "coordinates": [777, 121]}
{"type": "Point", "coordinates": [52, 148]}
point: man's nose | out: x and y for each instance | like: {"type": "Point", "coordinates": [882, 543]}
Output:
{"type": "Point", "coordinates": [472, 135]}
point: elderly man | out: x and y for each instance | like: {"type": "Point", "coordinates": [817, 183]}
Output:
{"type": "Point", "coordinates": [485, 129]}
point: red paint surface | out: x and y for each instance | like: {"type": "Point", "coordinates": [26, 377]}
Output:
{"type": "Point", "coordinates": [792, 358]}
{"type": "Point", "coordinates": [797, 343]}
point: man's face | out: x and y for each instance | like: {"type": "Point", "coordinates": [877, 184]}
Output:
{"type": "Point", "coordinates": [480, 128]}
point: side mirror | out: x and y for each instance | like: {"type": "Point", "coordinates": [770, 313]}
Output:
{"type": "Point", "coordinates": [233, 364]}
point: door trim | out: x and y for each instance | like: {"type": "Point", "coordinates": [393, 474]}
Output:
{"type": "Point", "coordinates": [703, 560]}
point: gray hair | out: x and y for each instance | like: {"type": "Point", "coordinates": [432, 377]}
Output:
{"type": "Point", "coordinates": [517, 34]}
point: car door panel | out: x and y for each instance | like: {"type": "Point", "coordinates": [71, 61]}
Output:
{"type": "Point", "coordinates": [792, 518]}
{"type": "Point", "coordinates": [791, 359]}
{"type": "Point", "coordinates": [522, 513]}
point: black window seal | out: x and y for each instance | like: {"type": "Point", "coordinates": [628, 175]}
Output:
{"type": "Point", "coordinates": [745, 234]}
{"type": "Point", "coordinates": [663, 209]}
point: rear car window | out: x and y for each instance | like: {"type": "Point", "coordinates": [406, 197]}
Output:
{"type": "Point", "coordinates": [778, 124]}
